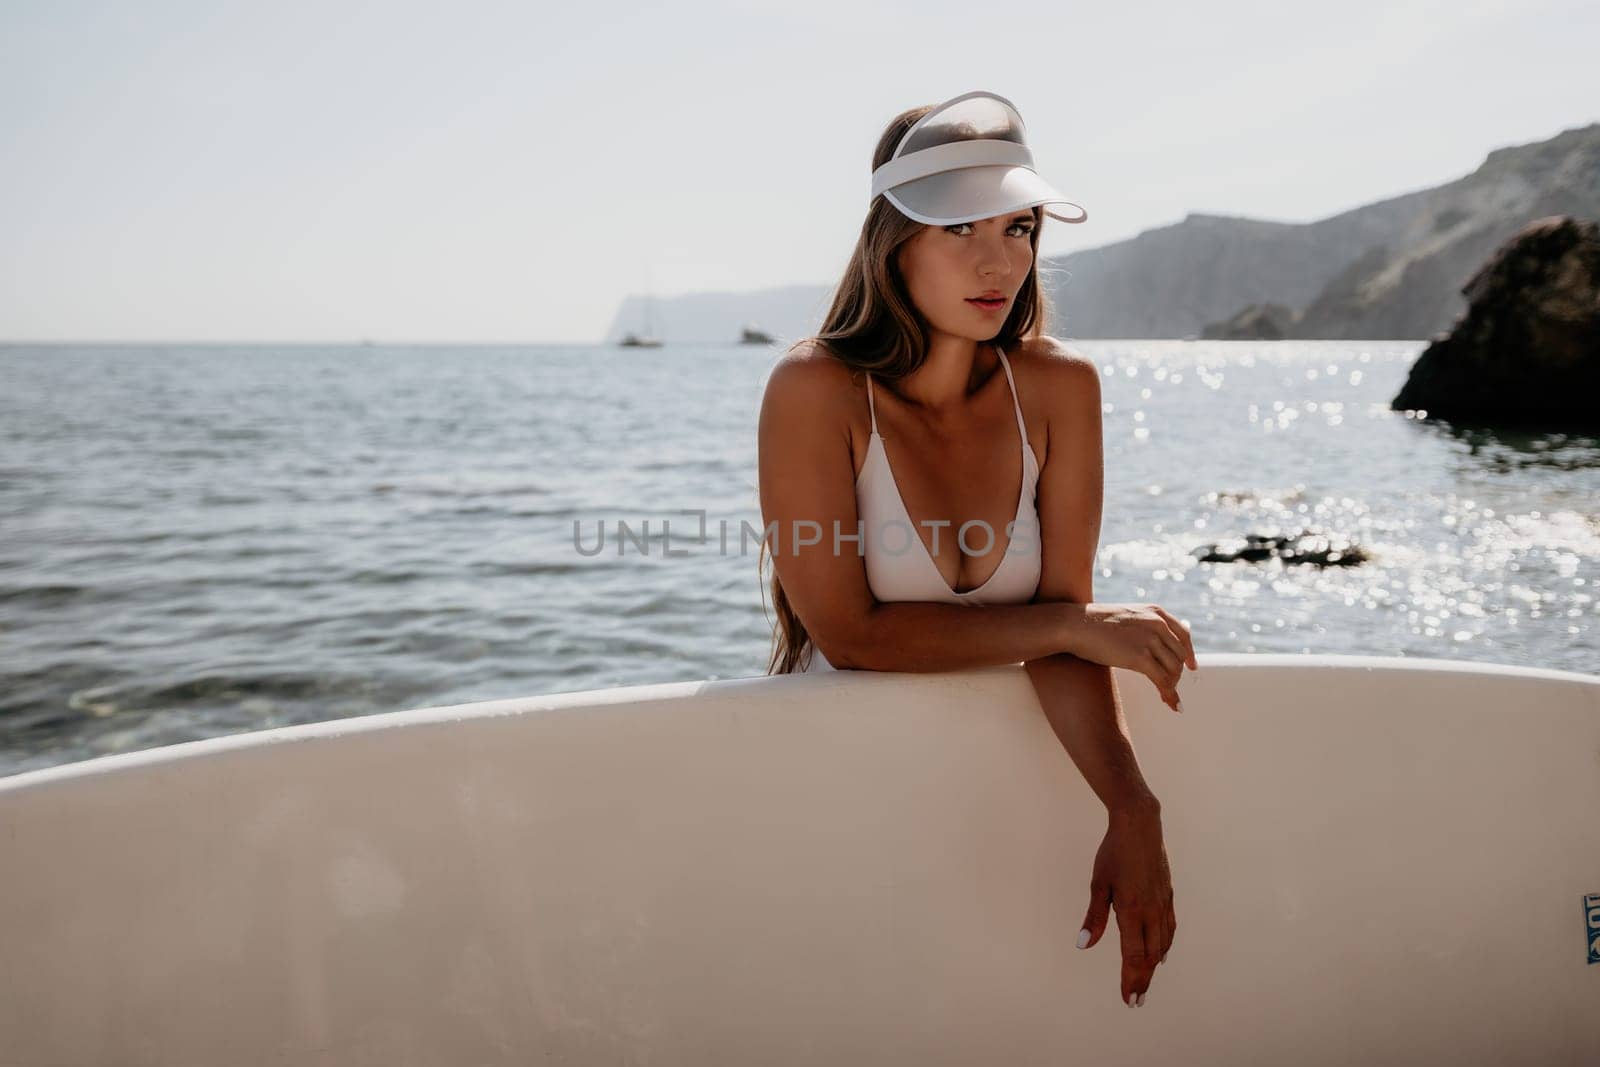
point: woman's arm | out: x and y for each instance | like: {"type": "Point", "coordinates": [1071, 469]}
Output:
{"type": "Point", "coordinates": [1079, 696]}
{"type": "Point", "coordinates": [807, 476]}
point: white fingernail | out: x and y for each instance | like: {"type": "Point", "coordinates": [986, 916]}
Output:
{"type": "Point", "coordinates": [1083, 938]}
{"type": "Point", "coordinates": [1140, 1000]}
{"type": "Point", "coordinates": [1180, 705]}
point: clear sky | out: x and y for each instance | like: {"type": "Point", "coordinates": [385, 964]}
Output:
{"type": "Point", "coordinates": [508, 171]}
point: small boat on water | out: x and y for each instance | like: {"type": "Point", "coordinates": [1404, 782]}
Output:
{"type": "Point", "coordinates": [1375, 861]}
{"type": "Point", "coordinates": [753, 335]}
{"type": "Point", "coordinates": [647, 337]}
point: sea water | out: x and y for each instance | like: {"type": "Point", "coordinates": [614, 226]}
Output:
{"type": "Point", "coordinates": [202, 540]}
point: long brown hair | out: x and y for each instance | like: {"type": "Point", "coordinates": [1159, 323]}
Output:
{"type": "Point", "coordinates": [873, 325]}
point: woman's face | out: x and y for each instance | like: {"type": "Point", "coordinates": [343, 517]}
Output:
{"type": "Point", "coordinates": [948, 268]}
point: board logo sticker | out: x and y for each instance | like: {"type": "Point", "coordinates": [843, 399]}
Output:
{"type": "Point", "coordinates": [1591, 915]}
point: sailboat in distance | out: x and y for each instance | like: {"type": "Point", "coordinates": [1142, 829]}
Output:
{"type": "Point", "coordinates": [648, 339]}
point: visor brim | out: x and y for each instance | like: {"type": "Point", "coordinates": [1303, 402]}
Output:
{"type": "Point", "coordinates": [974, 193]}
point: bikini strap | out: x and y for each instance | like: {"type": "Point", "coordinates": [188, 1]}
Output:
{"type": "Point", "coordinates": [870, 407]}
{"type": "Point", "coordinates": [1015, 403]}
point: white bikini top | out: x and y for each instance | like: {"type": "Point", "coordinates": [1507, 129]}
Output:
{"type": "Point", "coordinates": [899, 566]}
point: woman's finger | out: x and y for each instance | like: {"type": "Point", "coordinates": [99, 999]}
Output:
{"type": "Point", "coordinates": [1135, 965]}
{"type": "Point", "coordinates": [1171, 662]}
{"type": "Point", "coordinates": [1175, 648]}
{"type": "Point", "coordinates": [1181, 631]}
{"type": "Point", "coordinates": [1170, 670]}
{"type": "Point", "coordinates": [1172, 929]}
{"type": "Point", "coordinates": [1094, 921]}
{"type": "Point", "coordinates": [1155, 937]}
{"type": "Point", "coordinates": [1185, 638]}
{"type": "Point", "coordinates": [1159, 674]}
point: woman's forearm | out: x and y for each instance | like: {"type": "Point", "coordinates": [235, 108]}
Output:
{"type": "Point", "coordinates": [1078, 696]}
{"type": "Point", "coordinates": [923, 636]}
{"type": "Point", "coordinates": [1080, 700]}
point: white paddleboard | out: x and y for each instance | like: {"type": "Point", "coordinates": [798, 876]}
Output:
{"type": "Point", "coordinates": [1374, 861]}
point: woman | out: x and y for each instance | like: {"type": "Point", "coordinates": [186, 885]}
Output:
{"type": "Point", "coordinates": [931, 364]}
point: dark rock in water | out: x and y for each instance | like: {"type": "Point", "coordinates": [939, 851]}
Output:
{"type": "Point", "coordinates": [1258, 322]}
{"type": "Point", "coordinates": [1526, 355]}
{"type": "Point", "coordinates": [1299, 548]}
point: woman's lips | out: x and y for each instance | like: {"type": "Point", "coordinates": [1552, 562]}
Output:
{"type": "Point", "coordinates": [988, 305]}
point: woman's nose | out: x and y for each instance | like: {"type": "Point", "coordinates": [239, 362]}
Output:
{"type": "Point", "coordinates": [995, 260]}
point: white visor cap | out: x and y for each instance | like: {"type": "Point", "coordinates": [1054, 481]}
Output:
{"type": "Point", "coordinates": [965, 160]}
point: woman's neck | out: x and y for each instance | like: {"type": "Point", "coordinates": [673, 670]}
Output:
{"type": "Point", "coordinates": [955, 368]}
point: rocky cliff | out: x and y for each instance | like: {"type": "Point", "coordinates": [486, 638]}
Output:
{"type": "Point", "coordinates": [1393, 269]}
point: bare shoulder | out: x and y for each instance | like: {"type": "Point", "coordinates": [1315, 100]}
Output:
{"type": "Point", "coordinates": [810, 378]}
{"type": "Point", "coordinates": [1055, 358]}
{"type": "Point", "coordinates": [809, 390]}
{"type": "Point", "coordinates": [809, 362]}
{"type": "Point", "coordinates": [1066, 381]}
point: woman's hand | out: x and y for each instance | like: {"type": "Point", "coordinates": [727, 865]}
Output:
{"type": "Point", "coordinates": [1131, 875]}
{"type": "Point", "coordinates": [1139, 637]}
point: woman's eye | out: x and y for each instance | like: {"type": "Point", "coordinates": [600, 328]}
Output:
{"type": "Point", "coordinates": [1024, 227]}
